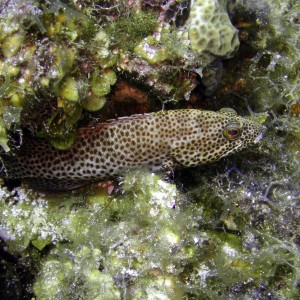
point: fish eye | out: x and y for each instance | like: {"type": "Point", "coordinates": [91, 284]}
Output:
{"type": "Point", "coordinates": [232, 132]}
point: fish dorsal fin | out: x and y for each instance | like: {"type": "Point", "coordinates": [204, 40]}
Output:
{"type": "Point", "coordinates": [110, 122]}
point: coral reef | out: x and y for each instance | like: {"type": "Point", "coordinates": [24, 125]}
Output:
{"type": "Point", "coordinates": [211, 32]}
{"type": "Point", "coordinates": [72, 53]}
{"type": "Point", "coordinates": [229, 230]}
{"type": "Point", "coordinates": [154, 213]}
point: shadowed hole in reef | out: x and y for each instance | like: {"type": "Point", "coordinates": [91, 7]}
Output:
{"type": "Point", "coordinates": [11, 184]}
{"type": "Point", "coordinates": [15, 278]}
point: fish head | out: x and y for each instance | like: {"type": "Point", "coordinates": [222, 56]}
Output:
{"type": "Point", "coordinates": [223, 133]}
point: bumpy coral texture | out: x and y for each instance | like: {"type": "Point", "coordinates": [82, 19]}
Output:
{"type": "Point", "coordinates": [211, 32]}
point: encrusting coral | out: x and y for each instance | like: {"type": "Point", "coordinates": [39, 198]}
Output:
{"type": "Point", "coordinates": [211, 33]}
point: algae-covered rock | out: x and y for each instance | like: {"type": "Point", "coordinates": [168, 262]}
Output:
{"type": "Point", "coordinates": [269, 71]}
{"type": "Point", "coordinates": [79, 265]}
{"type": "Point", "coordinates": [98, 248]}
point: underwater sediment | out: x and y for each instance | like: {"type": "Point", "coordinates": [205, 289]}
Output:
{"type": "Point", "coordinates": [226, 230]}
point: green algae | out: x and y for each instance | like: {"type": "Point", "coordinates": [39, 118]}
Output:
{"type": "Point", "coordinates": [12, 44]}
{"type": "Point", "coordinates": [127, 31]}
{"type": "Point", "coordinates": [41, 47]}
{"type": "Point", "coordinates": [146, 51]}
{"type": "Point", "coordinates": [168, 47]}
{"type": "Point", "coordinates": [3, 137]}
{"type": "Point", "coordinates": [69, 90]}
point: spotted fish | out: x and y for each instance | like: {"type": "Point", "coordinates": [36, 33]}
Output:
{"type": "Point", "coordinates": [162, 140]}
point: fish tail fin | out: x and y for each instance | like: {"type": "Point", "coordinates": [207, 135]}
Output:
{"type": "Point", "coordinates": [2, 169]}
{"type": "Point", "coordinates": [14, 164]}
{"type": "Point", "coordinates": [5, 165]}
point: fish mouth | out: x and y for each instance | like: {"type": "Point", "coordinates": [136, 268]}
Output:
{"type": "Point", "coordinates": [258, 138]}
{"type": "Point", "coordinates": [234, 150]}
{"type": "Point", "coordinates": [261, 135]}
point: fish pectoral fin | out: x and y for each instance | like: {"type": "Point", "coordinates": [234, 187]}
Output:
{"type": "Point", "coordinates": [182, 157]}
{"type": "Point", "coordinates": [45, 184]}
